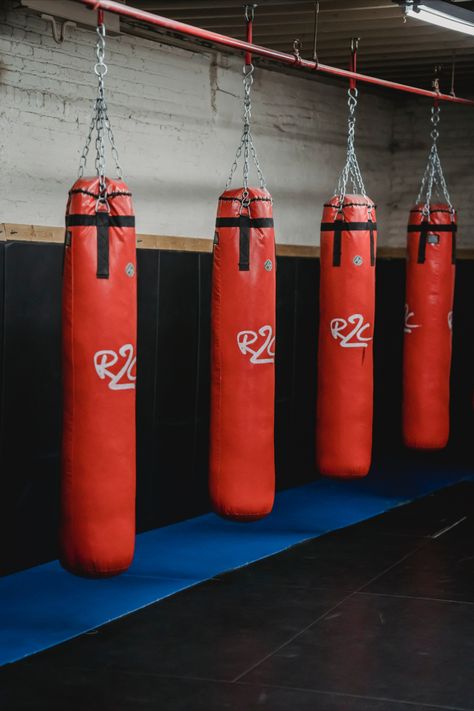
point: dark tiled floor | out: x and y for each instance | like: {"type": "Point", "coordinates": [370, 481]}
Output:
{"type": "Point", "coordinates": [377, 617]}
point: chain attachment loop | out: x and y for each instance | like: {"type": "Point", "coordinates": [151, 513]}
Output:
{"type": "Point", "coordinates": [246, 145]}
{"type": "Point", "coordinates": [433, 177]}
{"type": "Point", "coordinates": [351, 171]}
{"type": "Point", "coordinates": [100, 124]}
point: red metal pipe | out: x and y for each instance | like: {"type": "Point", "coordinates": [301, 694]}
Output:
{"type": "Point", "coordinates": [353, 62]}
{"type": "Point", "coordinates": [224, 40]}
{"type": "Point", "coordinates": [249, 18]}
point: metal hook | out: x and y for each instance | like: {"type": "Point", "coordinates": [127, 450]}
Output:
{"type": "Point", "coordinates": [297, 46]}
{"type": "Point", "coordinates": [59, 29]}
{"type": "Point", "coordinates": [249, 12]}
{"type": "Point", "coordinates": [315, 35]}
{"type": "Point", "coordinates": [435, 83]}
{"type": "Point", "coordinates": [353, 64]}
{"type": "Point", "coordinates": [453, 70]}
{"type": "Point", "coordinates": [404, 8]}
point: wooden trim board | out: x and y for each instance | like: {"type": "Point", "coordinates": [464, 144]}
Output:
{"type": "Point", "coordinates": [43, 233]}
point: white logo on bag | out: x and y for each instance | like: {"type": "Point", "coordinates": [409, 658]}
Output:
{"type": "Point", "coordinates": [245, 339]}
{"type": "Point", "coordinates": [450, 320]}
{"type": "Point", "coordinates": [104, 360]}
{"type": "Point", "coordinates": [354, 338]}
{"type": "Point", "coordinates": [409, 326]}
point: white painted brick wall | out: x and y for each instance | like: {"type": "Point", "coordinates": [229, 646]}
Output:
{"type": "Point", "coordinates": [411, 145]}
{"type": "Point", "coordinates": [177, 120]}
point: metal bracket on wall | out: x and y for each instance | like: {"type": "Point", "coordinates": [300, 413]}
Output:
{"type": "Point", "coordinates": [59, 28]}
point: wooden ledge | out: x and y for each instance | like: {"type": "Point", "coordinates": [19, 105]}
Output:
{"type": "Point", "coordinates": [42, 233]}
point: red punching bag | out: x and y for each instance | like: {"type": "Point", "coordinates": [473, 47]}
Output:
{"type": "Point", "coordinates": [428, 326]}
{"type": "Point", "coordinates": [99, 321]}
{"type": "Point", "coordinates": [242, 469]}
{"type": "Point", "coordinates": [346, 329]}
{"type": "Point", "coordinates": [99, 351]}
{"type": "Point", "coordinates": [430, 272]}
{"type": "Point", "coordinates": [346, 325]}
{"type": "Point", "coordinates": [242, 459]}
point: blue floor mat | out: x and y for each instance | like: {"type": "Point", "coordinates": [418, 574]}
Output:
{"type": "Point", "coordinates": [44, 606]}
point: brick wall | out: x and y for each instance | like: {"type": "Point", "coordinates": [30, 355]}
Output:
{"type": "Point", "coordinates": [411, 145]}
{"type": "Point", "coordinates": [177, 121]}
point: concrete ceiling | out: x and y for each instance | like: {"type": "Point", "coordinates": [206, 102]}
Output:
{"type": "Point", "coordinates": [389, 48]}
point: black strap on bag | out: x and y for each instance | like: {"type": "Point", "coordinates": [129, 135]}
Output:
{"type": "Point", "coordinates": [340, 226]}
{"type": "Point", "coordinates": [427, 230]}
{"type": "Point", "coordinates": [372, 244]}
{"type": "Point", "coordinates": [102, 221]}
{"type": "Point", "coordinates": [245, 223]}
{"type": "Point", "coordinates": [103, 224]}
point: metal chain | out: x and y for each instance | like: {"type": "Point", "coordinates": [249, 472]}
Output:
{"type": "Point", "coordinates": [100, 123]}
{"type": "Point", "coordinates": [433, 176]}
{"type": "Point", "coordinates": [246, 145]}
{"type": "Point", "coordinates": [351, 171]}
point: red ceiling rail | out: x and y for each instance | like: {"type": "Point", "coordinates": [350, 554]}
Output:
{"type": "Point", "coordinates": [275, 55]}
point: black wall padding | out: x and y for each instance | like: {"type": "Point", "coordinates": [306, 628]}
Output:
{"type": "Point", "coordinates": [30, 403]}
{"type": "Point", "coordinates": [173, 386]}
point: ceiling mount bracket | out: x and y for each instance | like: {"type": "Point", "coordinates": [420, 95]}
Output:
{"type": "Point", "coordinates": [297, 48]}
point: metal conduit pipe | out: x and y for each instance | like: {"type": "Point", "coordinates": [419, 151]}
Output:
{"type": "Point", "coordinates": [275, 55]}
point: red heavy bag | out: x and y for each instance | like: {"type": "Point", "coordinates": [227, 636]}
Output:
{"type": "Point", "coordinates": [346, 329]}
{"type": "Point", "coordinates": [99, 321]}
{"type": "Point", "coordinates": [428, 326]}
{"type": "Point", "coordinates": [242, 468]}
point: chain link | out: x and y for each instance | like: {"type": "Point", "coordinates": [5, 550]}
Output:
{"type": "Point", "coordinates": [433, 176]}
{"type": "Point", "coordinates": [246, 145]}
{"type": "Point", "coordinates": [100, 123]}
{"type": "Point", "coordinates": [351, 171]}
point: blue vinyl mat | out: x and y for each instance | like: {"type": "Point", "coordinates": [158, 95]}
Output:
{"type": "Point", "coordinates": [43, 606]}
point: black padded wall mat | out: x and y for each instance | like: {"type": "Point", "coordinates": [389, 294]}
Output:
{"type": "Point", "coordinates": [2, 301]}
{"type": "Point", "coordinates": [173, 385]}
{"type": "Point", "coordinates": [388, 449]}
{"type": "Point", "coordinates": [30, 404]}
{"type": "Point", "coordinates": [297, 308]}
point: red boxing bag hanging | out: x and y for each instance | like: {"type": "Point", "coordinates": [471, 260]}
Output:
{"type": "Point", "coordinates": [99, 344]}
{"type": "Point", "coordinates": [430, 275]}
{"type": "Point", "coordinates": [242, 471]}
{"type": "Point", "coordinates": [242, 468]}
{"type": "Point", "coordinates": [346, 325]}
